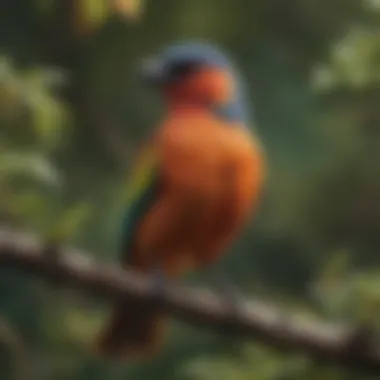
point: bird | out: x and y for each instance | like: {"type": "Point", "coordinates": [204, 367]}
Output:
{"type": "Point", "coordinates": [196, 183]}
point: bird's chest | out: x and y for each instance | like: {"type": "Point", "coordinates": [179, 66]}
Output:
{"type": "Point", "coordinates": [196, 160]}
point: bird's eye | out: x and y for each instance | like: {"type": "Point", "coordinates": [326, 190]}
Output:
{"type": "Point", "coordinates": [181, 70]}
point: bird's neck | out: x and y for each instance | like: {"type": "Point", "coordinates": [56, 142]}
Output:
{"type": "Point", "coordinates": [186, 108]}
{"type": "Point", "coordinates": [232, 112]}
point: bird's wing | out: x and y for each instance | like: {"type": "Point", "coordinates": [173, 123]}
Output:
{"type": "Point", "coordinates": [142, 192]}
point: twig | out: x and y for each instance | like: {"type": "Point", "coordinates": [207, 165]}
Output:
{"type": "Point", "coordinates": [321, 340]}
{"type": "Point", "coordinates": [20, 362]}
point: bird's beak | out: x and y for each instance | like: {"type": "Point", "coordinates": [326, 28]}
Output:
{"type": "Point", "coordinates": [152, 71]}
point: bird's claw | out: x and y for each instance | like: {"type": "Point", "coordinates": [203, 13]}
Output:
{"type": "Point", "coordinates": [158, 283]}
{"type": "Point", "coordinates": [230, 294]}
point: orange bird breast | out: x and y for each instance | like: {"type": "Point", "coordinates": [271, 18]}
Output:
{"type": "Point", "coordinates": [211, 175]}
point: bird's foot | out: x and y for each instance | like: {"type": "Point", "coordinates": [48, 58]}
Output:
{"type": "Point", "coordinates": [229, 292]}
{"type": "Point", "coordinates": [159, 283]}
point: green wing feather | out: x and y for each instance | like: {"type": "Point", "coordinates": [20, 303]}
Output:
{"type": "Point", "coordinates": [141, 195]}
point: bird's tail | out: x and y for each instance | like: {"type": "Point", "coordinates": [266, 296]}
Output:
{"type": "Point", "coordinates": [134, 329]}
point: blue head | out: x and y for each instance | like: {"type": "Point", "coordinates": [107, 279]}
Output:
{"type": "Point", "coordinates": [200, 74]}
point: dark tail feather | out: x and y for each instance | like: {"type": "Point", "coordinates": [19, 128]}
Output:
{"type": "Point", "coordinates": [134, 329]}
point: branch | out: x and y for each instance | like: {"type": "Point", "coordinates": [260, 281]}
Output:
{"type": "Point", "coordinates": [339, 344]}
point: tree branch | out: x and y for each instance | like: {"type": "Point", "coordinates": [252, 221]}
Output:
{"type": "Point", "coordinates": [323, 341]}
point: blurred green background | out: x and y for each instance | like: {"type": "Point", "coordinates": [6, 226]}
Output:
{"type": "Point", "coordinates": [72, 114]}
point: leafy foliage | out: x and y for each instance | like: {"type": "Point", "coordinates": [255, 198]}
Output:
{"type": "Point", "coordinates": [69, 104]}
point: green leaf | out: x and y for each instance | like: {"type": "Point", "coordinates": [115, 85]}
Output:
{"type": "Point", "coordinates": [29, 164]}
{"type": "Point", "coordinates": [96, 11]}
{"type": "Point", "coordinates": [66, 226]}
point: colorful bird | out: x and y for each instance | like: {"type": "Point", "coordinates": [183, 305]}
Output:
{"type": "Point", "coordinates": [195, 186]}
